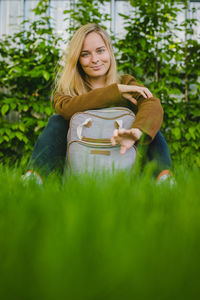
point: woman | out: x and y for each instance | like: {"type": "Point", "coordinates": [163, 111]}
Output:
{"type": "Point", "coordinates": [89, 81]}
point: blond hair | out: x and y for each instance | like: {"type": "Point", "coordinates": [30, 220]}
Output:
{"type": "Point", "coordinates": [71, 79]}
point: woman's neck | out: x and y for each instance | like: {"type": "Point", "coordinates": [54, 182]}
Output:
{"type": "Point", "coordinates": [97, 83]}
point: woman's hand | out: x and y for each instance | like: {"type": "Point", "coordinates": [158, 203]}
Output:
{"type": "Point", "coordinates": [126, 138]}
{"type": "Point", "coordinates": [127, 89]}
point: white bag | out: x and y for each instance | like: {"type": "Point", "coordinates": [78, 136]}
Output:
{"type": "Point", "coordinates": [89, 146]}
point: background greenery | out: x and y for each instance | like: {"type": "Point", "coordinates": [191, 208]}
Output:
{"type": "Point", "coordinates": [149, 50]}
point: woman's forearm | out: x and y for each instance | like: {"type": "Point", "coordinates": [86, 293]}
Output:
{"type": "Point", "coordinates": [66, 106]}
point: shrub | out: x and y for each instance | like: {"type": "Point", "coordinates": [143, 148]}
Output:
{"type": "Point", "coordinates": [27, 71]}
{"type": "Point", "coordinates": [181, 129]}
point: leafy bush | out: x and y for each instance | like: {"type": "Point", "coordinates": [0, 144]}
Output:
{"type": "Point", "coordinates": [27, 70]}
{"type": "Point", "coordinates": [151, 52]}
{"type": "Point", "coordinates": [86, 11]}
{"type": "Point", "coordinates": [181, 129]}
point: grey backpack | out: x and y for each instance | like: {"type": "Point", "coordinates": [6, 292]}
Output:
{"type": "Point", "coordinates": [89, 146]}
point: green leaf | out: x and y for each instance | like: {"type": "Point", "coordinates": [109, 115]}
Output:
{"type": "Point", "coordinates": [21, 127]}
{"type": "Point", "coordinates": [192, 132]}
{"type": "Point", "coordinates": [187, 136]}
{"type": "Point", "coordinates": [25, 108]}
{"type": "Point", "coordinates": [19, 135]}
{"type": "Point", "coordinates": [46, 75]}
{"type": "Point", "coordinates": [48, 111]}
{"type": "Point", "coordinates": [4, 109]}
{"type": "Point", "coordinates": [177, 132]}
{"type": "Point", "coordinates": [6, 138]}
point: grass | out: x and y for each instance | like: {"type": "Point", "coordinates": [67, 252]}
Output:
{"type": "Point", "coordinates": [119, 237]}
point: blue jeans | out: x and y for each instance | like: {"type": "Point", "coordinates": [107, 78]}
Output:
{"type": "Point", "coordinates": [49, 152]}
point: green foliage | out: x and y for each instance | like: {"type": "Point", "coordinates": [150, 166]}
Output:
{"type": "Point", "coordinates": [27, 70]}
{"type": "Point", "coordinates": [181, 129]}
{"type": "Point", "coordinates": [151, 52]}
{"type": "Point", "coordinates": [86, 11]}
{"type": "Point", "coordinates": [149, 41]}
{"type": "Point", "coordinates": [120, 237]}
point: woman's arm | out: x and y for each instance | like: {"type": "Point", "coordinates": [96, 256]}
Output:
{"type": "Point", "coordinates": [149, 115]}
{"type": "Point", "coordinates": [148, 118]}
{"type": "Point", "coordinates": [66, 106]}
{"type": "Point", "coordinates": [114, 94]}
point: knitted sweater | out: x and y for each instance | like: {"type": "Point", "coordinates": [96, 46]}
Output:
{"type": "Point", "coordinates": [149, 112]}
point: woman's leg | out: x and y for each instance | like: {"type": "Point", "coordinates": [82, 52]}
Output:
{"type": "Point", "coordinates": [158, 151]}
{"type": "Point", "coordinates": [50, 148]}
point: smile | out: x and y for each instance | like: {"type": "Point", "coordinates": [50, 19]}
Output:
{"type": "Point", "coordinates": [97, 67]}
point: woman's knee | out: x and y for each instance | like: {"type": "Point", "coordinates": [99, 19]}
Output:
{"type": "Point", "coordinates": [53, 136]}
{"type": "Point", "coordinates": [159, 150]}
{"type": "Point", "coordinates": [159, 139]}
{"type": "Point", "coordinates": [57, 124]}
{"type": "Point", "coordinates": [56, 121]}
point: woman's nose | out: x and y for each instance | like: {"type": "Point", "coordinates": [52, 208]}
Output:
{"type": "Point", "coordinates": [95, 57]}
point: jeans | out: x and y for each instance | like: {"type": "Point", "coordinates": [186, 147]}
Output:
{"type": "Point", "coordinates": [49, 153]}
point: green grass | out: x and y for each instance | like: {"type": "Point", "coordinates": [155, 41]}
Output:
{"type": "Point", "coordinates": [119, 237]}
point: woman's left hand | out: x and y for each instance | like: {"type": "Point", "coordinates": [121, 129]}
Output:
{"type": "Point", "coordinates": [126, 138]}
{"type": "Point", "coordinates": [127, 90]}
{"type": "Point", "coordinates": [130, 98]}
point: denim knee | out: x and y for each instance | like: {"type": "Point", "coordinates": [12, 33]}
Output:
{"type": "Point", "coordinates": [57, 123]}
{"type": "Point", "coordinates": [158, 151]}
{"type": "Point", "coordinates": [50, 148]}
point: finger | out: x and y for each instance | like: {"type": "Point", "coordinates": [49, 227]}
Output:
{"type": "Point", "coordinates": [124, 133]}
{"type": "Point", "coordinates": [123, 150]}
{"type": "Point", "coordinates": [113, 141]}
{"type": "Point", "coordinates": [148, 93]}
{"type": "Point", "coordinates": [133, 100]}
{"type": "Point", "coordinates": [143, 93]}
{"type": "Point", "coordinates": [134, 136]}
{"type": "Point", "coordinates": [121, 132]}
{"type": "Point", "coordinates": [130, 98]}
{"type": "Point", "coordinates": [115, 133]}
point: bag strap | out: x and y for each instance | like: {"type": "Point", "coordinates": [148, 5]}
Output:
{"type": "Point", "coordinates": [80, 127]}
{"type": "Point", "coordinates": [89, 122]}
{"type": "Point", "coordinates": [119, 124]}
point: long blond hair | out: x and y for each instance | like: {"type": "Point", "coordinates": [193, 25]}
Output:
{"type": "Point", "coordinates": [71, 79]}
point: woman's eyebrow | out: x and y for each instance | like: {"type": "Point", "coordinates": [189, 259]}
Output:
{"type": "Point", "coordinates": [101, 47]}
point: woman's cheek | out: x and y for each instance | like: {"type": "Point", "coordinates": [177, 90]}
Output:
{"type": "Point", "coordinates": [85, 62]}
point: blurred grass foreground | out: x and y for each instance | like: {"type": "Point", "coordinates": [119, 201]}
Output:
{"type": "Point", "coordinates": [119, 237]}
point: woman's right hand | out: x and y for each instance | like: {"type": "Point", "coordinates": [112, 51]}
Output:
{"type": "Point", "coordinates": [125, 90]}
{"type": "Point", "coordinates": [126, 138]}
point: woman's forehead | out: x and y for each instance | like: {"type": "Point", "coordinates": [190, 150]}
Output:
{"type": "Point", "coordinates": [93, 40]}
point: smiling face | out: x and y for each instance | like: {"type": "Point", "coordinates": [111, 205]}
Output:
{"type": "Point", "coordinates": [95, 58]}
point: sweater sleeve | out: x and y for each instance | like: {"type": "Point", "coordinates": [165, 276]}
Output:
{"type": "Point", "coordinates": [66, 106]}
{"type": "Point", "coordinates": [149, 115]}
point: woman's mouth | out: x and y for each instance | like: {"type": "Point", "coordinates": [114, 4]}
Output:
{"type": "Point", "coordinates": [96, 68]}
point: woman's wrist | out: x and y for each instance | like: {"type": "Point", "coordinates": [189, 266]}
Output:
{"type": "Point", "coordinates": [121, 88]}
{"type": "Point", "coordinates": [136, 132]}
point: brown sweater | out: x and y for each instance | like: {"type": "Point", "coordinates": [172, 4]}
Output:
{"type": "Point", "coordinates": [149, 112]}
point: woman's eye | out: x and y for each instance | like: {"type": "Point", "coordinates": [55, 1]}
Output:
{"type": "Point", "coordinates": [84, 54]}
{"type": "Point", "coordinates": [101, 50]}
